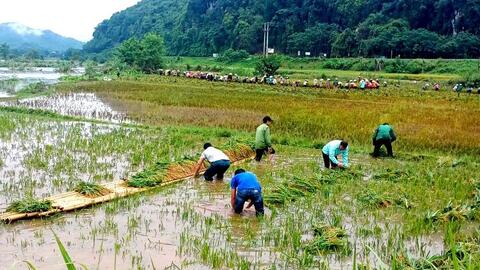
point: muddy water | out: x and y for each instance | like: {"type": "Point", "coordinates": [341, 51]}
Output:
{"type": "Point", "coordinates": [147, 233]}
{"type": "Point", "coordinates": [126, 233]}
{"type": "Point", "coordinates": [86, 105]}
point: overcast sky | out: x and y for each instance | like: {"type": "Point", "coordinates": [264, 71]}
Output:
{"type": "Point", "coordinates": [71, 18]}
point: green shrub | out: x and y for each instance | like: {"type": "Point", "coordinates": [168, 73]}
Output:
{"type": "Point", "coordinates": [364, 65]}
{"type": "Point", "coordinates": [267, 65]}
{"type": "Point", "coordinates": [34, 88]}
{"type": "Point", "coordinates": [231, 56]}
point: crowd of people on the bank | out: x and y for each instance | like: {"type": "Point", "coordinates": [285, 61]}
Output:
{"type": "Point", "coordinates": [358, 83]}
{"type": "Point", "coordinates": [469, 89]}
{"type": "Point", "coordinates": [245, 187]}
{"type": "Point", "coordinates": [458, 88]}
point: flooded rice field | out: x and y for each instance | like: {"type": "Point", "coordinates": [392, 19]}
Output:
{"type": "Point", "coordinates": [139, 232]}
{"type": "Point", "coordinates": [190, 225]}
{"type": "Point", "coordinates": [86, 105]}
{"type": "Point", "coordinates": [43, 158]}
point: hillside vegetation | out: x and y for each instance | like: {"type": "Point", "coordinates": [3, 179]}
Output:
{"type": "Point", "coordinates": [406, 28]}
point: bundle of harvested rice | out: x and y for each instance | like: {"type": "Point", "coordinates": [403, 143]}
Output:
{"type": "Point", "coordinates": [91, 190]}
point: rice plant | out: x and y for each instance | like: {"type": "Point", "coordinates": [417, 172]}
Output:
{"type": "Point", "coordinates": [392, 175]}
{"type": "Point", "coordinates": [291, 190]}
{"type": "Point", "coordinates": [30, 205]}
{"type": "Point", "coordinates": [200, 106]}
{"type": "Point", "coordinates": [149, 177]}
{"type": "Point", "coordinates": [450, 212]}
{"type": "Point", "coordinates": [66, 257]}
{"type": "Point", "coordinates": [91, 189]}
{"type": "Point", "coordinates": [328, 239]}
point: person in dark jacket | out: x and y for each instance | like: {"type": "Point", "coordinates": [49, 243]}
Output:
{"type": "Point", "coordinates": [383, 135]}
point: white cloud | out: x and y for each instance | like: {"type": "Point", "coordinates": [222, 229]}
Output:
{"type": "Point", "coordinates": [24, 30]}
{"type": "Point", "coordinates": [71, 18]}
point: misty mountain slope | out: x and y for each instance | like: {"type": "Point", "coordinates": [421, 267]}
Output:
{"type": "Point", "coordinates": [21, 37]}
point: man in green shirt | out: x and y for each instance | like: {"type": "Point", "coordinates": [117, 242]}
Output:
{"type": "Point", "coordinates": [383, 135]}
{"type": "Point", "coordinates": [263, 140]}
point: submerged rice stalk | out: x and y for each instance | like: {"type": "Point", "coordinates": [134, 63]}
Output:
{"type": "Point", "coordinates": [373, 199]}
{"type": "Point", "coordinates": [289, 191]}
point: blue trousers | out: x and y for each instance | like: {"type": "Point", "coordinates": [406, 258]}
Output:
{"type": "Point", "coordinates": [253, 195]}
{"type": "Point", "coordinates": [217, 168]}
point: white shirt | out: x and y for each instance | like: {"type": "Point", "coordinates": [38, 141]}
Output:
{"type": "Point", "coordinates": [212, 154]}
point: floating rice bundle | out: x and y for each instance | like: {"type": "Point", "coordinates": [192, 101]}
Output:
{"type": "Point", "coordinates": [30, 205]}
{"type": "Point", "coordinates": [150, 177]}
{"type": "Point", "coordinates": [91, 190]}
{"type": "Point", "coordinates": [242, 152]}
{"type": "Point", "coordinates": [165, 171]}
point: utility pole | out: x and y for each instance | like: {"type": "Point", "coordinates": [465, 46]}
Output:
{"type": "Point", "coordinates": [264, 37]}
{"type": "Point", "coordinates": [266, 33]}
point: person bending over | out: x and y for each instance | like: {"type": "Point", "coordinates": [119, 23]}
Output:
{"type": "Point", "coordinates": [219, 163]}
{"type": "Point", "coordinates": [245, 187]}
{"type": "Point", "coordinates": [383, 135]}
{"type": "Point", "coordinates": [332, 150]}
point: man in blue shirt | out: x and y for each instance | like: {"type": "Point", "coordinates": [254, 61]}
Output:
{"type": "Point", "coordinates": [245, 187]}
{"type": "Point", "coordinates": [332, 150]}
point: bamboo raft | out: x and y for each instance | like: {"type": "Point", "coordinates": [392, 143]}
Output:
{"type": "Point", "coordinates": [72, 200]}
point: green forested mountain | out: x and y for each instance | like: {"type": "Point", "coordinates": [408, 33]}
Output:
{"type": "Point", "coordinates": [409, 28]}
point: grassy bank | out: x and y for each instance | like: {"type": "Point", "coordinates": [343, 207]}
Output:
{"type": "Point", "coordinates": [304, 68]}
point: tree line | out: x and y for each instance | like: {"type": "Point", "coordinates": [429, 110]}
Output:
{"type": "Point", "coordinates": [338, 28]}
